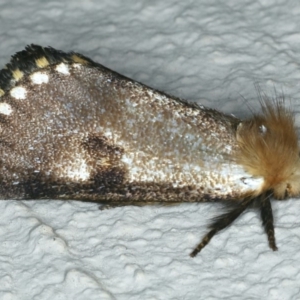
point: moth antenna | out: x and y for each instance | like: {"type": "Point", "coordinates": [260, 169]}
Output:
{"type": "Point", "coordinates": [222, 222]}
{"type": "Point", "coordinates": [267, 219]}
{"type": "Point", "coordinates": [245, 102]}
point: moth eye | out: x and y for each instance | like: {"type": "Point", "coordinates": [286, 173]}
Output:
{"type": "Point", "coordinates": [262, 129]}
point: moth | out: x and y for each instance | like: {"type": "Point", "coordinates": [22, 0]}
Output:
{"type": "Point", "coordinates": [72, 129]}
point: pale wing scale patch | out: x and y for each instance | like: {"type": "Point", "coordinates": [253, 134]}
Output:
{"type": "Point", "coordinates": [79, 171]}
{"type": "Point", "coordinates": [17, 74]}
{"type": "Point", "coordinates": [63, 69]}
{"type": "Point", "coordinates": [76, 65]}
{"type": "Point", "coordinates": [42, 62]}
{"type": "Point", "coordinates": [5, 109]}
{"type": "Point", "coordinates": [224, 179]}
{"type": "Point", "coordinates": [18, 92]}
{"type": "Point", "coordinates": [39, 78]}
{"type": "Point", "coordinates": [76, 170]}
{"type": "Point", "coordinates": [240, 180]}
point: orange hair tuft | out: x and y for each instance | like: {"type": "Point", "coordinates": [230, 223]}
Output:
{"type": "Point", "coordinates": [268, 144]}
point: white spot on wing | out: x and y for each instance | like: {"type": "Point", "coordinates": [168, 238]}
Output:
{"type": "Point", "coordinates": [76, 66]}
{"type": "Point", "coordinates": [39, 78]}
{"type": "Point", "coordinates": [18, 92]}
{"type": "Point", "coordinates": [5, 109]}
{"type": "Point", "coordinates": [76, 170]}
{"type": "Point", "coordinates": [63, 68]}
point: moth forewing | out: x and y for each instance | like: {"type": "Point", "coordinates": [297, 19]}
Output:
{"type": "Point", "coordinates": [72, 129]}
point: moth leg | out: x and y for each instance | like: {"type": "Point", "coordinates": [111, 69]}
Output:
{"type": "Point", "coordinates": [267, 220]}
{"type": "Point", "coordinates": [222, 222]}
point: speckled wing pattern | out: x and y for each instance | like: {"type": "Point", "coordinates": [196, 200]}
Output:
{"type": "Point", "coordinates": [72, 129]}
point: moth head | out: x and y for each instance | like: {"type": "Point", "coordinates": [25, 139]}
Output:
{"type": "Point", "coordinates": [268, 148]}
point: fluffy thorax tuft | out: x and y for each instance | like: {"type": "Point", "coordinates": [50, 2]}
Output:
{"type": "Point", "coordinates": [269, 148]}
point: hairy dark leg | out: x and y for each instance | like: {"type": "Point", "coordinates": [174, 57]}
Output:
{"type": "Point", "coordinates": [222, 222]}
{"type": "Point", "coordinates": [267, 219]}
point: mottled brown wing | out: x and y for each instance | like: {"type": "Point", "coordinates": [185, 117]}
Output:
{"type": "Point", "coordinates": [72, 129]}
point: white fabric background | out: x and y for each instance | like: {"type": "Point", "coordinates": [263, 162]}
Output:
{"type": "Point", "coordinates": [209, 51]}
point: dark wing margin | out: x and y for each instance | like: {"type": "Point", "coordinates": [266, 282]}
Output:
{"type": "Point", "coordinates": [35, 57]}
